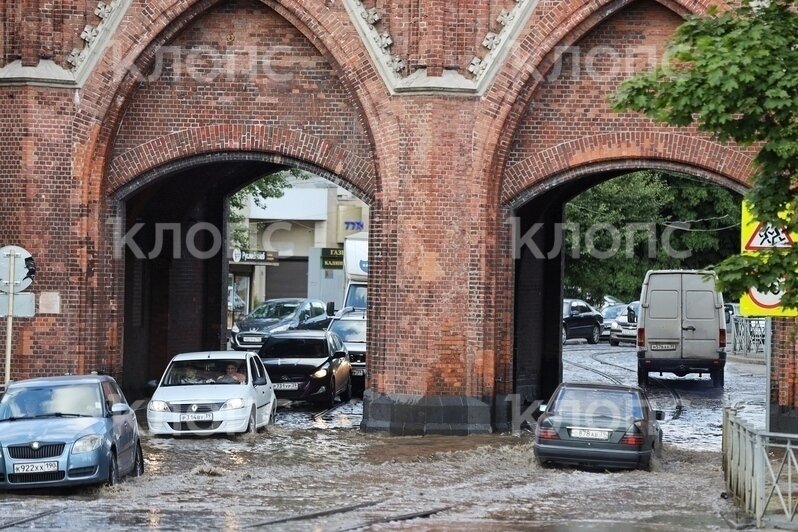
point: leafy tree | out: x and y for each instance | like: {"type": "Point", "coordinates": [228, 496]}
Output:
{"type": "Point", "coordinates": [268, 186]}
{"type": "Point", "coordinates": [734, 74]}
{"type": "Point", "coordinates": [659, 204]}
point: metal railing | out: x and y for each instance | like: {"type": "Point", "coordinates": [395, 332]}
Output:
{"type": "Point", "coordinates": [751, 337]}
{"type": "Point", "coordinates": [761, 470]}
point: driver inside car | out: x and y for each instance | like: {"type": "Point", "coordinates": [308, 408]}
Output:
{"type": "Point", "coordinates": [232, 375]}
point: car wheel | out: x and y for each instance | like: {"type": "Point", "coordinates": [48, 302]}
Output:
{"type": "Point", "coordinates": [330, 401]}
{"type": "Point", "coordinates": [273, 415]}
{"type": "Point", "coordinates": [717, 378]}
{"type": "Point", "coordinates": [252, 426]}
{"type": "Point", "coordinates": [614, 343]}
{"type": "Point", "coordinates": [138, 467]}
{"type": "Point", "coordinates": [346, 395]}
{"type": "Point", "coordinates": [596, 334]}
{"type": "Point", "coordinates": [113, 471]}
{"type": "Point", "coordinates": [564, 334]}
{"type": "Point", "coordinates": [642, 377]}
{"type": "Point", "coordinates": [645, 463]}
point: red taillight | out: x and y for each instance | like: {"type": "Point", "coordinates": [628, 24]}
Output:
{"type": "Point", "coordinates": [641, 337]}
{"type": "Point", "coordinates": [722, 337]}
{"type": "Point", "coordinates": [632, 439]}
{"type": "Point", "coordinates": [547, 433]}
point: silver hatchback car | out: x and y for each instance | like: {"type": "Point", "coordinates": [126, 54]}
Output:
{"type": "Point", "coordinates": [66, 431]}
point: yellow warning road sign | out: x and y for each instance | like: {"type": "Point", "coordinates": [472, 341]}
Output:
{"type": "Point", "coordinates": [755, 237]}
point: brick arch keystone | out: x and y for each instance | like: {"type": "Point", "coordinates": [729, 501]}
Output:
{"type": "Point", "coordinates": [290, 144]}
{"type": "Point", "coordinates": [517, 82]}
{"type": "Point", "coordinates": [688, 152]}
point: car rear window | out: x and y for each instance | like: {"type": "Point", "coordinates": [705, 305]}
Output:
{"type": "Point", "coordinates": [596, 402]}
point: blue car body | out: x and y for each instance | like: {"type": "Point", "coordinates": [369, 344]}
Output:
{"type": "Point", "coordinates": [41, 450]}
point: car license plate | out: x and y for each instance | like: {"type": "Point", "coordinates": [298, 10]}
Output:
{"type": "Point", "coordinates": [286, 385]}
{"type": "Point", "coordinates": [663, 347]}
{"type": "Point", "coordinates": [204, 416]}
{"type": "Point", "coordinates": [358, 372]}
{"type": "Point", "coordinates": [252, 339]}
{"type": "Point", "coordinates": [590, 434]}
{"type": "Point", "coordinates": [36, 467]}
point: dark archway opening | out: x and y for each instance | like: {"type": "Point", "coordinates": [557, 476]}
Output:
{"type": "Point", "coordinates": [540, 273]}
{"type": "Point", "coordinates": [175, 300]}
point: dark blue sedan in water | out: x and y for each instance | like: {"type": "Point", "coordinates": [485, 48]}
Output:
{"type": "Point", "coordinates": [66, 431]}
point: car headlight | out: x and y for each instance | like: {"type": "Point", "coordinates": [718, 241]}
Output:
{"type": "Point", "coordinates": [159, 406]}
{"type": "Point", "coordinates": [235, 329]}
{"type": "Point", "coordinates": [320, 374]}
{"type": "Point", "coordinates": [233, 404]}
{"type": "Point", "coordinates": [87, 444]}
{"type": "Point", "coordinates": [615, 326]}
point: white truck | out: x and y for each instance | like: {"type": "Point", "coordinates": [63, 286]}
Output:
{"type": "Point", "coordinates": [356, 269]}
{"type": "Point", "coordinates": [681, 327]}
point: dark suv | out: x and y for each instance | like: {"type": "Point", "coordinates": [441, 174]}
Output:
{"type": "Point", "coordinates": [276, 315]}
{"type": "Point", "coordinates": [350, 325]}
{"type": "Point", "coordinates": [580, 320]}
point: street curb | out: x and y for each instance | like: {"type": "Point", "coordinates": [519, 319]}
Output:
{"type": "Point", "coordinates": [746, 360]}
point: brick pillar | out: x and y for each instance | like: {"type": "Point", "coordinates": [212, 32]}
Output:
{"type": "Point", "coordinates": [430, 358]}
{"type": "Point", "coordinates": [783, 401]}
{"type": "Point", "coordinates": [30, 34]}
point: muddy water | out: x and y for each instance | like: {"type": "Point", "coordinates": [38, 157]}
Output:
{"type": "Point", "coordinates": [310, 463]}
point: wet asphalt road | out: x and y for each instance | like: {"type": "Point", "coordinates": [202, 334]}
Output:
{"type": "Point", "coordinates": [309, 463]}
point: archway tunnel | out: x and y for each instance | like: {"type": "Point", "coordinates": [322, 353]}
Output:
{"type": "Point", "coordinates": [541, 259]}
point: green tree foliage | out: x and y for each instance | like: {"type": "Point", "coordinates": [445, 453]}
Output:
{"type": "Point", "coordinates": [698, 220]}
{"type": "Point", "coordinates": [734, 74]}
{"type": "Point", "coordinates": [268, 186]}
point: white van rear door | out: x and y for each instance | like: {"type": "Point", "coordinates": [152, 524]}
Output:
{"type": "Point", "coordinates": [663, 321]}
{"type": "Point", "coordinates": [699, 318]}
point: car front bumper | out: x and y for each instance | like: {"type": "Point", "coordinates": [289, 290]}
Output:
{"type": "Point", "coordinates": [592, 457]}
{"type": "Point", "coordinates": [222, 422]}
{"type": "Point", "coordinates": [73, 470]}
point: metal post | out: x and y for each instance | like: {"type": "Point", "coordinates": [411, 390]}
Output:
{"type": "Point", "coordinates": [10, 318]}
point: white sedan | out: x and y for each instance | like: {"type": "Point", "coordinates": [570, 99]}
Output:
{"type": "Point", "coordinates": [212, 392]}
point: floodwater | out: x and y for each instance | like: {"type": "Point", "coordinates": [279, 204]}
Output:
{"type": "Point", "coordinates": [309, 464]}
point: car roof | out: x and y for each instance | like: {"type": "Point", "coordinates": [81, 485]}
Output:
{"type": "Point", "coordinates": [60, 380]}
{"type": "Point", "coordinates": [601, 386]}
{"type": "Point", "coordinates": [305, 333]}
{"type": "Point", "coordinates": [352, 315]}
{"type": "Point", "coordinates": [212, 355]}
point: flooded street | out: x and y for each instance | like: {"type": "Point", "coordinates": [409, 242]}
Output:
{"type": "Point", "coordinates": [316, 470]}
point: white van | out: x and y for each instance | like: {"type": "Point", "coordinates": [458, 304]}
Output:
{"type": "Point", "coordinates": [681, 327]}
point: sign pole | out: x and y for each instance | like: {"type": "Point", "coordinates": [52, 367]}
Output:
{"type": "Point", "coordinates": [10, 317]}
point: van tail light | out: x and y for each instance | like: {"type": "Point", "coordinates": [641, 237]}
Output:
{"type": "Point", "coordinates": [722, 337]}
{"type": "Point", "coordinates": [633, 436]}
{"type": "Point", "coordinates": [641, 337]}
{"type": "Point", "coordinates": [547, 433]}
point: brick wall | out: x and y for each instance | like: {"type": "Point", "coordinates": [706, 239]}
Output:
{"type": "Point", "coordinates": [783, 378]}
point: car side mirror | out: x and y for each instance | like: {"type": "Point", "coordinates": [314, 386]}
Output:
{"type": "Point", "coordinates": [260, 381]}
{"type": "Point", "coordinates": [152, 384]}
{"type": "Point", "coordinates": [631, 316]}
{"type": "Point", "coordinates": [539, 411]}
{"type": "Point", "coordinates": [659, 415]}
{"type": "Point", "coordinates": [339, 354]}
{"type": "Point", "coordinates": [119, 408]}
{"type": "Point", "coordinates": [331, 308]}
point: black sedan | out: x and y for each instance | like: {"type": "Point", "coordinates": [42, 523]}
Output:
{"type": "Point", "coordinates": [308, 366]}
{"type": "Point", "coordinates": [277, 315]}
{"type": "Point", "coordinates": [598, 425]}
{"type": "Point", "coordinates": [580, 320]}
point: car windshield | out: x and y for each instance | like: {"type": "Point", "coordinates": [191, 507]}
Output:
{"type": "Point", "coordinates": [610, 313]}
{"type": "Point", "coordinates": [205, 371]}
{"type": "Point", "coordinates": [68, 400]}
{"type": "Point", "coordinates": [350, 330]}
{"type": "Point", "coordinates": [616, 404]}
{"type": "Point", "coordinates": [276, 347]}
{"type": "Point", "coordinates": [275, 309]}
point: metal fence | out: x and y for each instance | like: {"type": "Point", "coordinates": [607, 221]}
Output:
{"type": "Point", "coordinates": [761, 470]}
{"type": "Point", "coordinates": [751, 337]}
